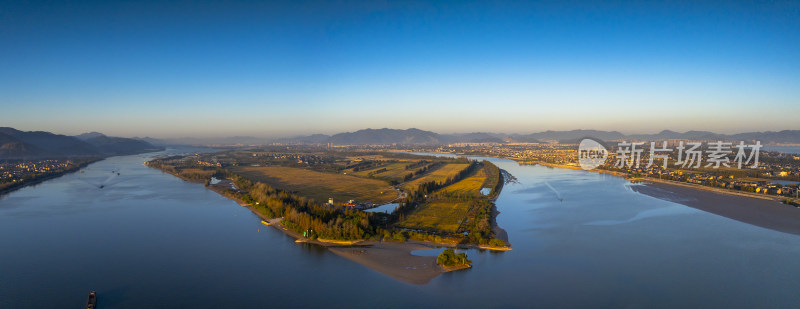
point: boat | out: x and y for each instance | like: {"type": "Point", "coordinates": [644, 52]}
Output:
{"type": "Point", "coordinates": [92, 302]}
{"type": "Point", "coordinates": [264, 222]}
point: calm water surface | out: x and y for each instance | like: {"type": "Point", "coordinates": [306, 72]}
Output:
{"type": "Point", "coordinates": [783, 149]}
{"type": "Point", "coordinates": [580, 240]}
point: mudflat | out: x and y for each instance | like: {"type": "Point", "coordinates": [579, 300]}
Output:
{"type": "Point", "coordinates": [759, 212]}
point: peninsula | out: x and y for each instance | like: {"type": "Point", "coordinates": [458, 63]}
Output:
{"type": "Point", "coordinates": [372, 207]}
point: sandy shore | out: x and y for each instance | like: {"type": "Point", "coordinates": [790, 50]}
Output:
{"type": "Point", "coordinates": [765, 213]}
{"type": "Point", "coordinates": [394, 260]}
{"type": "Point", "coordinates": [751, 208]}
{"type": "Point", "coordinates": [571, 167]}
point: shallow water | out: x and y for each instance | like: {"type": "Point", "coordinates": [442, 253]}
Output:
{"type": "Point", "coordinates": [580, 239]}
{"type": "Point", "coordinates": [386, 208]}
{"type": "Point", "coordinates": [782, 149]}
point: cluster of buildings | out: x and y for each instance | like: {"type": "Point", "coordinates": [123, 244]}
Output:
{"type": "Point", "coordinates": [283, 157]}
{"type": "Point", "coordinates": [775, 173]}
{"type": "Point", "coordinates": [350, 204]}
{"type": "Point", "coordinates": [16, 170]}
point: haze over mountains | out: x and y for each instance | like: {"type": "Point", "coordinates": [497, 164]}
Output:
{"type": "Point", "coordinates": [16, 144]}
{"type": "Point", "coordinates": [415, 136]}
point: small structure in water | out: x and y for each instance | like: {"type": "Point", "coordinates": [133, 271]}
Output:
{"type": "Point", "coordinates": [91, 303]}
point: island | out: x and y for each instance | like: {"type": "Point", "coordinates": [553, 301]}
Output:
{"type": "Point", "coordinates": [370, 206]}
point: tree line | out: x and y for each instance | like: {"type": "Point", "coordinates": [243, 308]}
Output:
{"type": "Point", "coordinates": [302, 214]}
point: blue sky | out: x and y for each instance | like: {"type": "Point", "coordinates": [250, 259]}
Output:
{"type": "Point", "coordinates": [278, 69]}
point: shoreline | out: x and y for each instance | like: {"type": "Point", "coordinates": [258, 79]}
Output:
{"type": "Point", "coordinates": [751, 208]}
{"type": "Point", "coordinates": [674, 183]}
{"type": "Point", "coordinates": [763, 213]}
{"type": "Point", "coordinates": [39, 180]}
{"type": "Point", "coordinates": [393, 259]}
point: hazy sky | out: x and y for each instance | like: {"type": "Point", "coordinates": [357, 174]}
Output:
{"type": "Point", "coordinates": [222, 69]}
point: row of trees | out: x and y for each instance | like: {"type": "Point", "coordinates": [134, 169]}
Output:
{"type": "Point", "coordinates": [420, 171]}
{"type": "Point", "coordinates": [365, 165]}
{"type": "Point", "coordinates": [418, 195]}
{"type": "Point", "coordinates": [375, 172]}
{"type": "Point", "coordinates": [478, 223]}
{"type": "Point", "coordinates": [428, 187]}
{"type": "Point", "coordinates": [304, 215]}
{"type": "Point", "coordinates": [416, 164]}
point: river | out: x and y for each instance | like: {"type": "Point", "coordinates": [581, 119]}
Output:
{"type": "Point", "coordinates": [581, 239]}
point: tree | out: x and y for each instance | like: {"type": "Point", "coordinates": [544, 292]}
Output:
{"type": "Point", "coordinates": [449, 258]}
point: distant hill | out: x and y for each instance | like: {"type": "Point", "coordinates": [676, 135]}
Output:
{"type": "Point", "coordinates": [386, 136]}
{"type": "Point", "coordinates": [38, 144]}
{"type": "Point", "coordinates": [667, 134]}
{"type": "Point", "coordinates": [420, 137]}
{"type": "Point", "coordinates": [475, 137]}
{"type": "Point", "coordinates": [414, 136]}
{"type": "Point", "coordinates": [90, 135]}
{"type": "Point", "coordinates": [574, 136]}
{"type": "Point", "coordinates": [17, 149]}
{"type": "Point", "coordinates": [781, 137]}
{"type": "Point", "coordinates": [119, 145]}
{"type": "Point", "coordinates": [206, 141]}
{"type": "Point", "coordinates": [568, 136]}
{"type": "Point", "coordinates": [152, 141]}
{"type": "Point", "coordinates": [310, 139]}
{"type": "Point", "coordinates": [16, 144]}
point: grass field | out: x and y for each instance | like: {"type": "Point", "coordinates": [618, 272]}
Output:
{"type": "Point", "coordinates": [393, 170]}
{"type": "Point", "coordinates": [439, 175]}
{"type": "Point", "coordinates": [439, 215]}
{"type": "Point", "coordinates": [470, 185]}
{"type": "Point", "coordinates": [320, 186]}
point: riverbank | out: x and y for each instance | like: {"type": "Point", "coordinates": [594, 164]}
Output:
{"type": "Point", "coordinates": [572, 167]}
{"type": "Point", "coordinates": [672, 182]}
{"type": "Point", "coordinates": [712, 189]}
{"type": "Point", "coordinates": [43, 178]}
{"type": "Point", "coordinates": [751, 208]}
{"type": "Point", "coordinates": [393, 259]}
{"type": "Point", "coordinates": [766, 213]}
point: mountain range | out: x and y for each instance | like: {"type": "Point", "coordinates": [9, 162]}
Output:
{"type": "Point", "coordinates": [16, 144]}
{"type": "Point", "coordinates": [394, 136]}
{"type": "Point", "coordinates": [420, 137]}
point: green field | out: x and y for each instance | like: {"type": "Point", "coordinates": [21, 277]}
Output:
{"type": "Point", "coordinates": [438, 215]}
{"type": "Point", "coordinates": [321, 186]}
{"type": "Point", "coordinates": [439, 175]}
{"type": "Point", "coordinates": [471, 185]}
{"type": "Point", "coordinates": [394, 171]}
